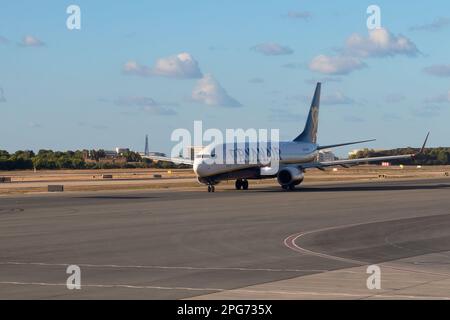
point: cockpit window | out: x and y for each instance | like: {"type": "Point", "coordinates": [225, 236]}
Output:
{"type": "Point", "coordinates": [203, 156]}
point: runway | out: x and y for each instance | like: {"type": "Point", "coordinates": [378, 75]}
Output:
{"type": "Point", "coordinates": [263, 243]}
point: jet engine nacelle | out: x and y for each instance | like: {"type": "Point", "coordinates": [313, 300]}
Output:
{"type": "Point", "coordinates": [290, 176]}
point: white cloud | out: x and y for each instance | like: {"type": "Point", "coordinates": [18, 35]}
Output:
{"type": "Point", "coordinates": [132, 67]}
{"type": "Point", "coordinates": [379, 43]}
{"type": "Point", "coordinates": [438, 70]}
{"type": "Point", "coordinates": [336, 98]}
{"type": "Point", "coordinates": [339, 65]}
{"type": "Point", "coordinates": [437, 25]}
{"type": "Point", "coordinates": [159, 110]}
{"type": "Point", "coordinates": [299, 15]}
{"type": "Point", "coordinates": [272, 49]}
{"type": "Point", "coordinates": [211, 93]}
{"type": "Point", "coordinates": [428, 111]}
{"type": "Point", "coordinates": [182, 66]}
{"type": "Point", "coordinates": [145, 104]}
{"type": "Point", "coordinates": [135, 101]}
{"type": "Point", "coordinates": [441, 98]}
{"type": "Point", "coordinates": [31, 41]}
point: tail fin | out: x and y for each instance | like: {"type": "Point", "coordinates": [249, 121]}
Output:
{"type": "Point", "coordinates": [309, 134]}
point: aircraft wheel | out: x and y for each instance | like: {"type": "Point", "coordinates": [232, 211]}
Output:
{"type": "Point", "coordinates": [245, 185]}
{"type": "Point", "coordinates": [285, 187]}
{"type": "Point", "coordinates": [209, 188]}
{"type": "Point", "coordinates": [213, 189]}
{"type": "Point", "coordinates": [292, 187]}
{"type": "Point", "coordinates": [238, 184]}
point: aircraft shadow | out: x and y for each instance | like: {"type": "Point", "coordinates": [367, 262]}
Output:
{"type": "Point", "coordinates": [362, 188]}
{"type": "Point", "coordinates": [119, 197]}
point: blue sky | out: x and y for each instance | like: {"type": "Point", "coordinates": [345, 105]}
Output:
{"type": "Point", "coordinates": [149, 67]}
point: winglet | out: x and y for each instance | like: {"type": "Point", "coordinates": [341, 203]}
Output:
{"type": "Point", "coordinates": [424, 144]}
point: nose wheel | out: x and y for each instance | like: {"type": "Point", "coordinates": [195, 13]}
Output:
{"type": "Point", "coordinates": [241, 184]}
{"type": "Point", "coordinates": [211, 188]}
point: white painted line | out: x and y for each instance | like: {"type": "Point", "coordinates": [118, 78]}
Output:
{"type": "Point", "coordinates": [158, 267]}
{"type": "Point", "coordinates": [128, 286]}
{"type": "Point", "coordinates": [265, 292]}
{"type": "Point", "coordinates": [290, 242]}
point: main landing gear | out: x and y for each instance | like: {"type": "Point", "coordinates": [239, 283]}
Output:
{"type": "Point", "coordinates": [290, 187]}
{"type": "Point", "coordinates": [241, 184]}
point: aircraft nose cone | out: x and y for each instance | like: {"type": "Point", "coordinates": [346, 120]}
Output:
{"type": "Point", "coordinates": [200, 169]}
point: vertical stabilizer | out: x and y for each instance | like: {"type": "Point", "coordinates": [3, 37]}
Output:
{"type": "Point", "coordinates": [309, 134]}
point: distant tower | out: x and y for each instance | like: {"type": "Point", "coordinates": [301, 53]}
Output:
{"type": "Point", "coordinates": [146, 151]}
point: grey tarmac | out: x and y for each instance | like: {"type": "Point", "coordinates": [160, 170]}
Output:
{"type": "Point", "coordinates": [263, 243]}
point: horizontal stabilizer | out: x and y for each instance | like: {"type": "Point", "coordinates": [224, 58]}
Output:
{"type": "Point", "coordinates": [188, 162]}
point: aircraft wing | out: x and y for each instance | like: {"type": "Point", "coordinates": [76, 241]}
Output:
{"type": "Point", "coordinates": [173, 160]}
{"type": "Point", "coordinates": [352, 162]}
{"type": "Point", "coordinates": [343, 144]}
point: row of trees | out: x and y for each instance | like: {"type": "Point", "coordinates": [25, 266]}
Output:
{"type": "Point", "coordinates": [430, 156]}
{"type": "Point", "coordinates": [48, 159]}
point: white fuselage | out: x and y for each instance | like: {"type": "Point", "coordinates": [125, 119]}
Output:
{"type": "Point", "coordinates": [223, 158]}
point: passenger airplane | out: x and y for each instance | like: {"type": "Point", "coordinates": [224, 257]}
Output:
{"type": "Point", "coordinates": [294, 158]}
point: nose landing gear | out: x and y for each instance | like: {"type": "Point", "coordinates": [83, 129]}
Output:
{"type": "Point", "coordinates": [241, 184]}
{"type": "Point", "coordinates": [211, 188]}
